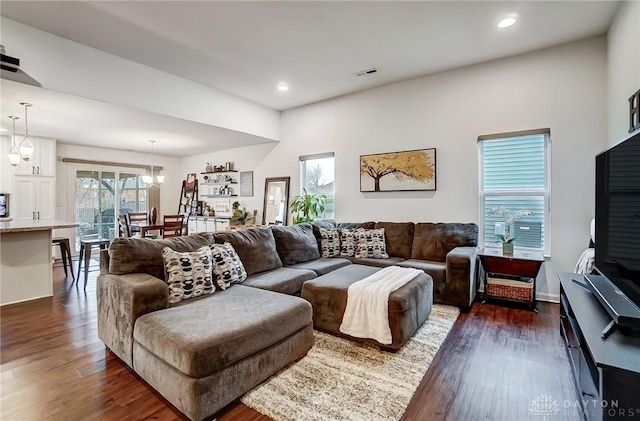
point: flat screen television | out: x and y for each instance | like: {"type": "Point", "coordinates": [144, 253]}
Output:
{"type": "Point", "coordinates": [617, 239]}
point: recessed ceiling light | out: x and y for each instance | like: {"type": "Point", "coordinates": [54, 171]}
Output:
{"type": "Point", "coordinates": [283, 87]}
{"type": "Point", "coordinates": [2, 129]}
{"type": "Point", "coordinates": [507, 22]}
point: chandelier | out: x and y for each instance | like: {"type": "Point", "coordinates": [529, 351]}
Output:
{"type": "Point", "coordinates": [151, 180]}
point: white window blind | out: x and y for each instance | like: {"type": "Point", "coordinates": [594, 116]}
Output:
{"type": "Point", "coordinates": [514, 175]}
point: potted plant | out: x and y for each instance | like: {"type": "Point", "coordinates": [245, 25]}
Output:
{"type": "Point", "coordinates": [307, 207]}
{"type": "Point", "coordinates": [240, 216]}
{"type": "Point", "coordinates": [509, 218]}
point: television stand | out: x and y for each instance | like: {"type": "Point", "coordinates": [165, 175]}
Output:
{"type": "Point", "coordinates": [606, 371]}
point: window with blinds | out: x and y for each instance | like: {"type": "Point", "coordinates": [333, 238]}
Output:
{"type": "Point", "coordinates": [514, 175]}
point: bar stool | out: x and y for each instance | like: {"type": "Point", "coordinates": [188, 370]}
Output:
{"type": "Point", "coordinates": [85, 254]}
{"type": "Point", "coordinates": [65, 251]}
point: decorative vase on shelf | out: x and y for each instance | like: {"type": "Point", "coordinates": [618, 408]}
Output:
{"type": "Point", "coordinates": [153, 215]}
{"type": "Point", "coordinates": [507, 248]}
{"type": "Point", "coordinates": [209, 168]}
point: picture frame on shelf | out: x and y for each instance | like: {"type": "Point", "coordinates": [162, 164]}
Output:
{"type": "Point", "coordinates": [190, 183]}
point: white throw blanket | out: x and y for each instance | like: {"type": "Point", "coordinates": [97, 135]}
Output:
{"type": "Point", "coordinates": [367, 312]}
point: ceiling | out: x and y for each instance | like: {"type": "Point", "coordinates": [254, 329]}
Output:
{"type": "Point", "coordinates": [247, 48]}
{"type": "Point", "coordinates": [82, 121]}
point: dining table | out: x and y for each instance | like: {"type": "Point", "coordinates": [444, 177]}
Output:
{"type": "Point", "coordinates": [144, 227]}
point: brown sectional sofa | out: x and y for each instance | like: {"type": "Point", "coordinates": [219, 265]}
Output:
{"type": "Point", "coordinates": [446, 251]}
{"type": "Point", "coordinates": [203, 353]}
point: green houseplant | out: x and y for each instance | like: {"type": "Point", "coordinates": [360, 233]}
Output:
{"type": "Point", "coordinates": [307, 207]}
{"type": "Point", "coordinates": [240, 216]}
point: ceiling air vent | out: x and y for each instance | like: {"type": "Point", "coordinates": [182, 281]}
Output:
{"type": "Point", "coordinates": [367, 72]}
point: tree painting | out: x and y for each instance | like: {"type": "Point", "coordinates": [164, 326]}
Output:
{"type": "Point", "coordinates": [408, 170]}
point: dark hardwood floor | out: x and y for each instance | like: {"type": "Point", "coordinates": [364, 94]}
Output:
{"type": "Point", "coordinates": [494, 363]}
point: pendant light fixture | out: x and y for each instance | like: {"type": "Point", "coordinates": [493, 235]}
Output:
{"type": "Point", "coordinates": [150, 180]}
{"type": "Point", "coordinates": [26, 147]}
{"type": "Point", "coordinates": [14, 153]}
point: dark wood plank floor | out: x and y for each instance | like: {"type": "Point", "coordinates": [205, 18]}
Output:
{"type": "Point", "coordinates": [53, 366]}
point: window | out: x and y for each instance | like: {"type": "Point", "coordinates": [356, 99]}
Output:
{"type": "Point", "coordinates": [514, 175]}
{"type": "Point", "coordinates": [317, 175]}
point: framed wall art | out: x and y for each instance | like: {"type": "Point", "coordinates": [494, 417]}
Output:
{"type": "Point", "coordinates": [398, 171]}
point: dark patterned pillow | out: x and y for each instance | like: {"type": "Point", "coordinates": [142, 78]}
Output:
{"type": "Point", "coordinates": [227, 266]}
{"type": "Point", "coordinates": [347, 242]}
{"type": "Point", "coordinates": [188, 274]}
{"type": "Point", "coordinates": [371, 243]}
{"type": "Point", "coordinates": [329, 242]}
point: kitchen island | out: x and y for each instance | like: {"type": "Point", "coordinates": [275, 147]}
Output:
{"type": "Point", "coordinates": [26, 271]}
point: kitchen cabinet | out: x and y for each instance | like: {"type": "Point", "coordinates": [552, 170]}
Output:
{"type": "Point", "coordinates": [34, 198]}
{"type": "Point", "coordinates": [43, 162]}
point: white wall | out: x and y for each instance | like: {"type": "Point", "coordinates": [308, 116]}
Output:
{"type": "Point", "coordinates": [66, 66]}
{"type": "Point", "coordinates": [563, 88]}
{"type": "Point", "coordinates": [623, 67]}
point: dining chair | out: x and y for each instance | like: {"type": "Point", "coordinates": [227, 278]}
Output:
{"type": "Point", "coordinates": [173, 226]}
{"type": "Point", "coordinates": [135, 218]}
{"type": "Point", "coordinates": [123, 226]}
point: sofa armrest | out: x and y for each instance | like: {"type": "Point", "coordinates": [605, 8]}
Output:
{"type": "Point", "coordinates": [461, 286]}
{"type": "Point", "coordinates": [121, 300]}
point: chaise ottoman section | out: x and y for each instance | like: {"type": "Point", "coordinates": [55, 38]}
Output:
{"type": "Point", "coordinates": [204, 355]}
{"type": "Point", "coordinates": [409, 306]}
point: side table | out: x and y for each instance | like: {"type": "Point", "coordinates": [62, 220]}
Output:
{"type": "Point", "coordinates": [511, 278]}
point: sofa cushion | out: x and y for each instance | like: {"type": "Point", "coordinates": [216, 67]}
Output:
{"type": "Point", "coordinates": [371, 243]}
{"type": "Point", "coordinates": [329, 243]}
{"type": "Point", "coordinates": [144, 255]}
{"type": "Point", "coordinates": [437, 270]}
{"type": "Point", "coordinates": [256, 247]}
{"type": "Point", "coordinates": [355, 225]}
{"type": "Point", "coordinates": [189, 273]}
{"type": "Point", "coordinates": [296, 244]}
{"type": "Point", "coordinates": [434, 241]}
{"type": "Point", "coordinates": [207, 335]}
{"type": "Point", "coordinates": [347, 242]}
{"type": "Point", "coordinates": [398, 237]}
{"type": "Point", "coordinates": [380, 263]}
{"type": "Point", "coordinates": [227, 266]}
{"type": "Point", "coordinates": [284, 280]}
{"type": "Point", "coordinates": [323, 265]}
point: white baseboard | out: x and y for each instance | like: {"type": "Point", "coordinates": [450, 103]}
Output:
{"type": "Point", "coordinates": [552, 298]}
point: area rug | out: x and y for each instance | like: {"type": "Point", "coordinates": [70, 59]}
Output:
{"type": "Point", "coordinates": [343, 380]}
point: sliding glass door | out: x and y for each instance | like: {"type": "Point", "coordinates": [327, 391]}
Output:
{"type": "Point", "coordinates": [100, 196]}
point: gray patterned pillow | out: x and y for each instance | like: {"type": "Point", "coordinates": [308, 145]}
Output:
{"type": "Point", "coordinates": [227, 266]}
{"type": "Point", "coordinates": [347, 242]}
{"type": "Point", "coordinates": [371, 243]}
{"type": "Point", "coordinates": [188, 274]}
{"type": "Point", "coordinates": [329, 242]}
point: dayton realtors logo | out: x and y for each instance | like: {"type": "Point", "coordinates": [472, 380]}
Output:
{"type": "Point", "coordinates": [545, 406]}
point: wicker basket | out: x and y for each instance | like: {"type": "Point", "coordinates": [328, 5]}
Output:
{"type": "Point", "coordinates": [513, 288]}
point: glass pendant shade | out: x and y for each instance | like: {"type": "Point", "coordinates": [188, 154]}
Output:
{"type": "Point", "coordinates": [26, 147]}
{"type": "Point", "coordinates": [14, 152]}
{"type": "Point", "coordinates": [160, 178]}
{"type": "Point", "coordinates": [147, 179]}
{"type": "Point", "coordinates": [14, 156]}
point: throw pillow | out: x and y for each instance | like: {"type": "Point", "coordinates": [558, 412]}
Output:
{"type": "Point", "coordinates": [188, 274]}
{"type": "Point", "coordinates": [347, 243]}
{"type": "Point", "coordinates": [227, 266]}
{"type": "Point", "coordinates": [371, 243]}
{"type": "Point", "coordinates": [329, 242]}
